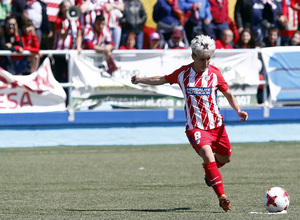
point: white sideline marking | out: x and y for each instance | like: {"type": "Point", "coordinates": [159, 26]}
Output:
{"type": "Point", "coordinates": [269, 213]}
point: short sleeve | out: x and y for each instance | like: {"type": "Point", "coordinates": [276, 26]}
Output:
{"type": "Point", "coordinates": [173, 77]}
{"type": "Point", "coordinates": [222, 84]}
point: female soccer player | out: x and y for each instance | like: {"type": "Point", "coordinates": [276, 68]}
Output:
{"type": "Point", "coordinates": [199, 82]}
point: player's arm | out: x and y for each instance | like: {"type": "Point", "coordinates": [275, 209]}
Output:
{"type": "Point", "coordinates": [153, 80]}
{"type": "Point", "coordinates": [234, 104]}
{"type": "Point", "coordinates": [79, 41]}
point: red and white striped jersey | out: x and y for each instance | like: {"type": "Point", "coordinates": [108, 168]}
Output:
{"type": "Point", "coordinates": [114, 15]}
{"type": "Point", "coordinates": [292, 21]}
{"type": "Point", "coordinates": [99, 39]}
{"type": "Point", "coordinates": [96, 7]}
{"type": "Point", "coordinates": [200, 94]}
{"type": "Point", "coordinates": [70, 41]}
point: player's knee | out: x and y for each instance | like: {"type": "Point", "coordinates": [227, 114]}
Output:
{"type": "Point", "coordinates": [223, 159]}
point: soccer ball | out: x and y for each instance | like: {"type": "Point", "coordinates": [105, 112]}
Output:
{"type": "Point", "coordinates": [276, 199]}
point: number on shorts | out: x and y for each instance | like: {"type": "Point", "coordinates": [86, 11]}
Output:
{"type": "Point", "coordinates": [197, 136]}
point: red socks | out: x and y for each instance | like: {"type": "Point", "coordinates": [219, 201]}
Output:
{"type": "Point", "coordinates": [214, 176]}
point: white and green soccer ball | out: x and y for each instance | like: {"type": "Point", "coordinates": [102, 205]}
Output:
{"type": "Point", "coordinates": [276, 199]}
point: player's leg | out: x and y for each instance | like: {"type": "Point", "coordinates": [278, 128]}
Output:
{"type": "Point", "coordinates": [222, 146]}
{"type": "Point", "coordinates": [201, 142]}
{"type": "Point", "coordinates": [207, 154]}
{"type": "Point", "coordinates": [214, 176]}
{"type": "Point", "coordinates": [222, 156]}
{"type": "Point", "coordinates": [220, 161]}
{"type": "Point", "coordinates": [211, 170]}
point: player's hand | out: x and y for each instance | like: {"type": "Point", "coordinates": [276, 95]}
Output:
{"type": "Point", "coordinates": [134, 79]}
{"type": "Point", "coordinates": [243, 115]}
{"type": "Point", "coordinates": [32, 30]}
{"type": "Point", "coordinates": [9, 45]}
{"type": "Point", "coordinates": [107, 50]}
{"type": "Point", "coordinates": [79, 49]}
{"type": "Point", "coordinates": [21, 49]}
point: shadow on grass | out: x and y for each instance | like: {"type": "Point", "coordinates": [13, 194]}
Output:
{"type": "Point", "coordinates": [139, 210]}
{"type": "Point", "coordinates": [130, 210]}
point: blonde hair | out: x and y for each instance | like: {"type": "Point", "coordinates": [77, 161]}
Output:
{"type": "Point", "coordinates": [203, 44]}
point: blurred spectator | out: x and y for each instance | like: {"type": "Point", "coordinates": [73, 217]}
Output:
{"type": "Point", "coordinates": [243, 14]}
{"type": "Point", "coordinates": [154, 41]}
{"type": "Point", "coordinates": [168, 15]}
{"type": "Point", "coordinates": [17, 10]}
{"type": "Point", "coordinates": [246, 40]}
{"type": "Point", "coordinates": [220, 21]}
{"type": "Point", "coordinates": [114, 9]}
{"type": "Point", "coordinates": [198, 19]}
{"type": "Point", "coordinates": [130, 42]}
{"type": "Point", "coordinates": [31, 43]}
{"type": "Point", "coordinates": [11, 40]}
{"type": "Point", "coordinates": [295, 39]}
{"type": "Point", "coordinates": [36, 11]}
{"type": "Point", "coordinates": [52, 7]}
{"type": "Point", "coordinates": [288, 22]}
{"type": "Point", "coordinates": [226, 41]}
{"type": "Point", "coordinates": [5, 10]}
{"type": "Point", "coordinates": [175, 42]}
{"type": "Point", "coordinates": [90, 9]}
{"type": "Point", "coordinates": [134, 17]}
{"type": "Point", "coordinates": [257, 15]}
{"type": "Point", "coordinates": [68, 35]}
{"type": "Point", "coordinates": [272, 39]}
{"type": "Point", "coordinates": [273, 17]}
{"type": "Point", "coordinates": [99, 38]}
{"type": "Point", "coordinates": [295, 4]}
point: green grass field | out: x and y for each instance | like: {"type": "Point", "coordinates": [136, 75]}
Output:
{"type": "Point", "coordinates": [142, 182]}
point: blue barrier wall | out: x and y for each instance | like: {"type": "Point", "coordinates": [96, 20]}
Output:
{"type": "Point", "coordinates": [129, 117]}
{"type": "Point", "coordinates": [140, 127]}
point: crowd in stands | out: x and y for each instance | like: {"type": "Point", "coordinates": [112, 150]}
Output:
{"type": "Point", "coordinates": [107, 25]}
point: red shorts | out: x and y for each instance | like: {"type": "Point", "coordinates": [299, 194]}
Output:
{"type": "Point", "coordinates": [217, 138]}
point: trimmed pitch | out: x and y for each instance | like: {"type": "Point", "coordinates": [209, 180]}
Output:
{"type": "Point", "coordinates": [143, 182]}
